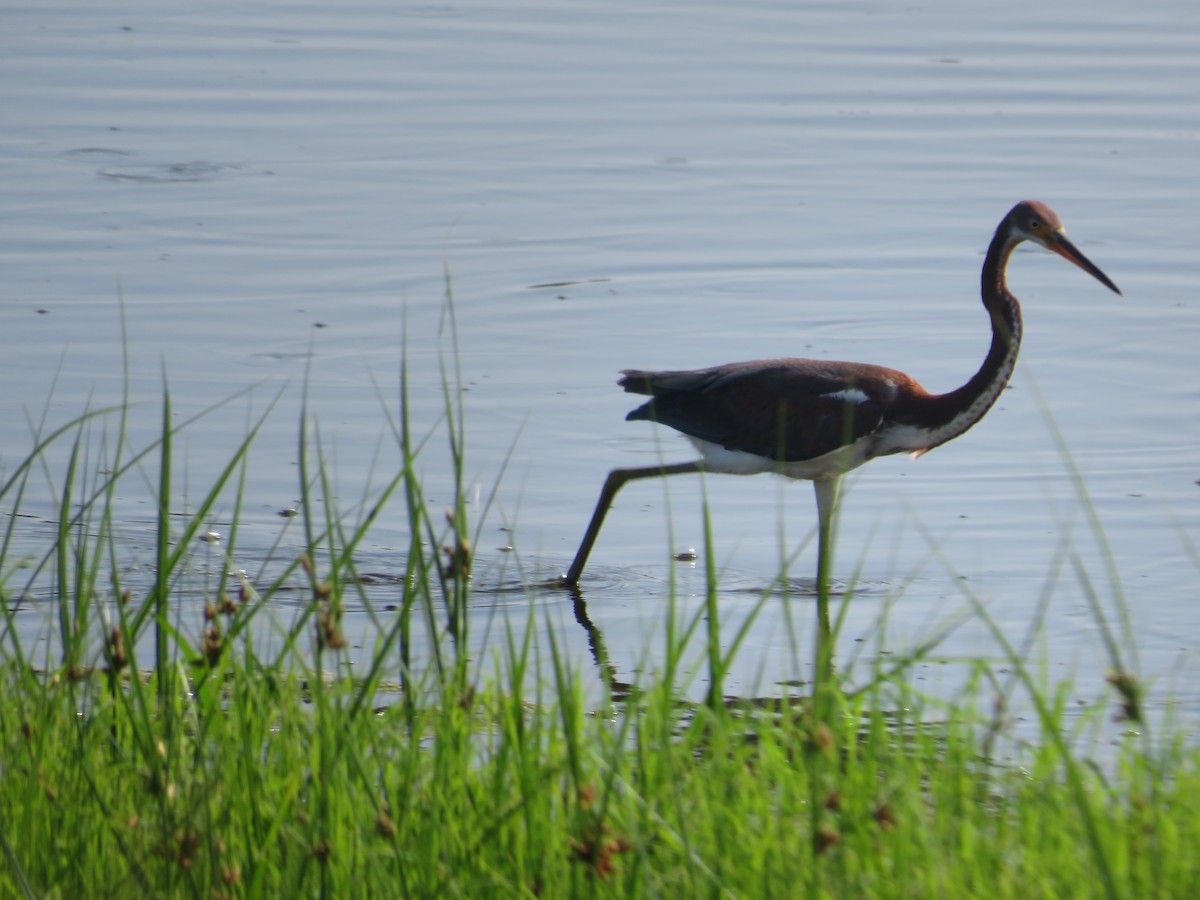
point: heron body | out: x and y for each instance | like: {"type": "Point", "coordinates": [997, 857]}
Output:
{"type": "Point", "coordinates": [815, 419]}
{"type": "Point", "coordinates": [801, 418]}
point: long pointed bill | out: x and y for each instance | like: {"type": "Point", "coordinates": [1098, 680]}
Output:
{"type": "Point", "coordinates": [1068, 251]}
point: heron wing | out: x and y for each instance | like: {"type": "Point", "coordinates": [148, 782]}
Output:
{"type": "Point", "coordinates": [788, 410]}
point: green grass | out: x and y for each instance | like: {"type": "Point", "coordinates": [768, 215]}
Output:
{"type": "Point", "coordinates": [137, 761]}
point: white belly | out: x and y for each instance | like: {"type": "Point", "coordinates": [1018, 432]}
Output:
{"type": "Point", "coordinates": [737, 462]}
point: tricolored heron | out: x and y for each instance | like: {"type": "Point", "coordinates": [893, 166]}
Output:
{"type": "Point", "coordinates": [816, 420]}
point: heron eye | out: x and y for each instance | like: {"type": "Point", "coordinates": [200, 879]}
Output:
{"type": "Point", "coordinates": [1034, 224]}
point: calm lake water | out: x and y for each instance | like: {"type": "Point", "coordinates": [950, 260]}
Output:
{"type": "Point", "coordinates": [276, 191]}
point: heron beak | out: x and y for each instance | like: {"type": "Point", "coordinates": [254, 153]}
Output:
{"type": "Point", "coordinates": [1062, 245]}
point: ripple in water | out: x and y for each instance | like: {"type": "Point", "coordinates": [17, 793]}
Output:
{"type": "Point", "coordinates": [171, 172]}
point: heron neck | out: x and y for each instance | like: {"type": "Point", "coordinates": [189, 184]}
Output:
{"type": "Point", "coordinates": [956, 411]}
{"type": "Point", "coordinates": [1005, 314]}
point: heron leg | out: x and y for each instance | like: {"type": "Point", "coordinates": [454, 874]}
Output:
{"type": "Point", "coordinates": [827, 495]}
{"type": "Point", "coordinates": [617, 479]}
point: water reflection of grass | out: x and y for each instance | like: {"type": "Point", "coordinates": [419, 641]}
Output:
{"type": "Point", "coordinates": [209, 767]}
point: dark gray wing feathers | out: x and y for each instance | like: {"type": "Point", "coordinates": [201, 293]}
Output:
{"type": "Point", "coordinates": [786, 410]}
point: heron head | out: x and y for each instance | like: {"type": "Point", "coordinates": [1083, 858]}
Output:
{"type": "Point", "coordinates": [1032, 220]}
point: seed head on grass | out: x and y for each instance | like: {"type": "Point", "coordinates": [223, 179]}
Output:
{"type": "Point", "coordinates": [384, 825]}
{"type": "Point", "coordinates": [1130, 691]}
{"type": "Point", "coordinates": [329, 630]}
{"type": "Point", "coordinates": [587, 796]}
{"type": "Point", "coordinates": [117, 656]}
{"type": "Point", "coordinates": [458, 557]}
{"type": "Point", "coordinates": [182, 847]}
{"type": "Point", "coordinates": [885, 817]}
{"type": "Point", "coordinates": [214, 644]}
{"type": "Point", "coordinates": [597, 850]}
{"type": "Point", "coordinates": [827, 838]}
{"type": "Point", "coordinates": [323, 851]}
{"type": "Point", "coordinates": [819, 739]}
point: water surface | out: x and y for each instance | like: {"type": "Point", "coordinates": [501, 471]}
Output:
{"type": "Point", "coordinates": [275, 192]}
